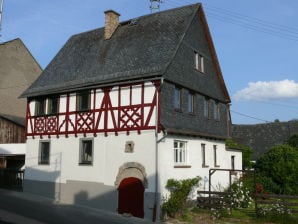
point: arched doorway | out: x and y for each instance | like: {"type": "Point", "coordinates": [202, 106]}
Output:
{"type": "Point", "coordinates": [131, 197]}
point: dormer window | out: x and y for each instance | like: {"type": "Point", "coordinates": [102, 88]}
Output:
{"type": "Point", "coordinates": [53, 105]}
{"type": "Point", "coordinates": [199, 62]}
{"type": "Point", "coordinates": [83, 100]}
{"type": "Point", "coordinates": [40, 106]}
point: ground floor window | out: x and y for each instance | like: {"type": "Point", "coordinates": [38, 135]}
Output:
{"type": "Point", "coordinates": [44, 153]}
{"type": "Point", "coordinates": [86, 151]}
{"type": "Point", "coordinates": [180, 152]}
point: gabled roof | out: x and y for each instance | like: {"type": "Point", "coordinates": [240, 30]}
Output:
{"type": "Point", "coordinates": [18, 71]}
{"type": "Point", "coordinates": [139, 50]}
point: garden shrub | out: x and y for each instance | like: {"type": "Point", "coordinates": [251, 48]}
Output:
{"type": "Point", "coordinates": [179, 192]}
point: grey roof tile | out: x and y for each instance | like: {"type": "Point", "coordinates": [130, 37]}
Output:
{"type": "Point", "coordinates": [134, 51]}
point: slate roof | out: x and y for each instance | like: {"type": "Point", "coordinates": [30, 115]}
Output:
{"type": "Point", "coordinates": [261, 137]}
{"type": "Point", "coordinates": [135, 51]}
{"type": "Point", "coordinates": [18, 70]}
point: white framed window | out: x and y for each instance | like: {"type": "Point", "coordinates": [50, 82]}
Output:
{"type": "Point", "coordinates": [44, 153]}
{"type": "Point", "coordinates": [215, 155]}
{"type": "Point", "coordinates": [180, 152]}
{"type": "Point", "coordinates": [40, 107]}
{"type": "Point", "coordinates": [206, 107]}
{"type": "Point", "coordinates": [199, 62]}
{"type": "Point", "coordinates": [53, 105]}
{"type": "Point", "coordinates": [177, 98]}
{"type": "Point", "coordinates": [83, 100]}
{"type": "Point", "coordinates": [216, 111]}
{"type": "Point", "coordinates": [232, 162]}
{"type": "Point", "coordinates": [190, 103]}
{"type": "Point", "coordinates": [203, 150]}
{"type": "Point", "coordinates": [86, 151]}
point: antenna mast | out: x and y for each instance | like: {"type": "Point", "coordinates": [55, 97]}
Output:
{"type": "Point", "coordinates": [1, 12]}
{"type": "Point", "coordinates": [155, 5]}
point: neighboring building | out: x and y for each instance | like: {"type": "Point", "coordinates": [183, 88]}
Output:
{"type": "Point", "coordinates": [18, 69]}
{"type": "Point", "coordinates": [262, 137]}
{"type": "Point", "coordinates": [122, 109]}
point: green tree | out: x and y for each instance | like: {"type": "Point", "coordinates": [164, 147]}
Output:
{"type": "Point", "coordinates": [278, 169]}
{"type": "Point", "coordinates": [293, 141]}
{"type": "Point", "coordinates": [246, 153]}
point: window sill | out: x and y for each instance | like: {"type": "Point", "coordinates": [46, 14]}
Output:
{"type": "Point", "coordinates": [205, 166]}
{"type": "Point", "coordinates": [83, 110]}
{"type": "Point", "coordinates": [44, 164]}
{"type": "Point", "coordinates": [182, 166]}
{"type": "Point", "coordinates": [178, 110]}
{"type": "Point", "coordinates": [85, 164]}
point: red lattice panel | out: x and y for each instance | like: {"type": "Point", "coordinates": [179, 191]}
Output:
{"type": "Point", "coordinates": [130, 117]}
{"type": "Point", "coordinates": [84, 122]}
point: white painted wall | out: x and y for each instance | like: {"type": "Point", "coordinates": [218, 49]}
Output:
{"type": "Point", "coordinates": [194, 159]}
{"type": "Point", "coordinates": [108, 152]}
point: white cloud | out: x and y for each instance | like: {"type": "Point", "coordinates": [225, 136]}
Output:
{"type": "Point", "coordinates": [272, 90]}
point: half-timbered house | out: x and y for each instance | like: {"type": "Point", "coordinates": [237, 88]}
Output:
{"type": "Point", "coordinates": [123, 108]}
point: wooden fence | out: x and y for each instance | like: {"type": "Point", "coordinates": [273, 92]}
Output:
{"type": "Point", "coordinates": [286, 202]}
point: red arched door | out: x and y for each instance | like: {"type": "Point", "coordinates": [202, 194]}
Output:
{"type": "Point", "coordinates": [131, 197]}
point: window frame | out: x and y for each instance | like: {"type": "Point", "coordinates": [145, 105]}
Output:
{"type": "Point", "coordinates": [206, 106]}
{"type": "Point", "coordinates": [215, 151]}
{"type": "Point", "coordinates": [233, 162]}
{"type": "Point", "coordinates": [44, 159]}
{"type": "Point", "coordinates": [40, 107]}
{"type": "Point", "coordinates": [203, 151]}
{"type": "Point", "coordinates": [180, 153]}
{"type": "Point", "coordinates": [82, 160]}
{"type": "Point", "coordinates": [80, 107]}
{"type": "Point", "coordinates": [50, 105]}
{"type": "Point", "coordinates": [216, 111]}
{"type": "Point", "coordinates": [190, 102]}
{"type": "Point", "coordinates": [199, 61]}
{"type": "Point", "coordinates": [177, 98]}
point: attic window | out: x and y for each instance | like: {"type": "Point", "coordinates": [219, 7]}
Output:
{"type": "Point", "coordinates": [199, 62]}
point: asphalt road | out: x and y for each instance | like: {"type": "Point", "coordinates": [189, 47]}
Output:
{"type": "Point", "coordinates": [23, 208]}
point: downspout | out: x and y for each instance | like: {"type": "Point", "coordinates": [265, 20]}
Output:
{"type": "Point", "coordinates": [156, 152]}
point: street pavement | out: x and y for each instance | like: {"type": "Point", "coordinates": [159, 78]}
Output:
{"type": "Point", "coordinates": [23, 208]}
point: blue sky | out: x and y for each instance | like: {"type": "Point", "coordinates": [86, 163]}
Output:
{"type": "Point", "coordinates": [256, 43]}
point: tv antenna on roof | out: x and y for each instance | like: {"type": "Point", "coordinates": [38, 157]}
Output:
{"type": "Point", "coordinates": [155, 5]}
{"type": "Point", "coordinates": [1, 12]}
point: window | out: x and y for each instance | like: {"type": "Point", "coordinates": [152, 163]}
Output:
{"type": "Point", "coordinates": [86, 151]}
{"type": "Point", "coordinates": [53, 105]}
{"type": "Point", "coordinates": [199, 62]}
{"type": "Point", "coordinates": [232, 162]}
{"type": "Point", "coordinates": [216, 111]}
{"type": "Point", "coordinates": [206, 107]}
{"type": "Point", "coordinates": [44, 153]}
{"type": "Point", "coordinates": [83, 100]}
{"type": "Point", "coordinates": [180, 153]}
{"type": "Point", "coordinates": [177, 98]}
{"type": "Point", "coordinates": [203, 148]}
{"type": "Point", "coordinates": [190, 102]}
{"type": "Point", "coordinates": [215, 155]}
{"type": "Point", "coordinates": [40, 107]}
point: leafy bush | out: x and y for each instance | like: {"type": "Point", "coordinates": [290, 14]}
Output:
{"type": "Point", "coordinates": [179, 192]}
{"type": "Point", "coordinates": [277, 170]}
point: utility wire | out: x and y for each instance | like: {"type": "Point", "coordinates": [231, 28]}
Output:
{"type": "Point", "coordinates": [245, 115]}
{"type": "Point", "coordinates": [244, 21]}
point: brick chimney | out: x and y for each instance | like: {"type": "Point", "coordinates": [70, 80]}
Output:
{"type": "Point", "coordinates": [111, 23]}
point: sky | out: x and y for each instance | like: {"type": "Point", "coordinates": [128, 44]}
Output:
{"type": "Point", "coordinates": [256, 43]}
